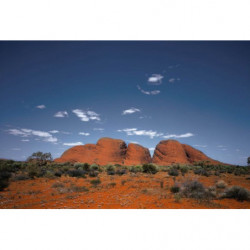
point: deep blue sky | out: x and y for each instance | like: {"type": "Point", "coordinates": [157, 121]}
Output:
{"type": "Point", "coordinates": [195, 92]}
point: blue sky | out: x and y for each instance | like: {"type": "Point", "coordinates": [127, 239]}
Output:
{"type": "Point", "coordinates": [58, 94]}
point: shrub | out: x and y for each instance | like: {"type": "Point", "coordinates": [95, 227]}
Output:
{"type": "Point", "coordinates": [21, 177]}
{"type": "Point", "coordinates": [112, 184]}
{"type": "Point", "coordinates": [123, 182]}
{"type": "Point", "coordinates": [95, 182]}
{"type": "Point", "coordinates": [236, 192]}
{"type": "Point", "coordinates": [175, 189]}
{"type": "Point", "coordinates": [4, 179]}
{"type": "Point", "coordinates": [149, 168]}
{"type": "Point", "coordinates": [201, 171]}
{"type": "Point", "coordinates": [94, 167]}
{"type": "Point", "coordinates": [173, 172]}
{"type": "Point", "coordinates": [93, 173]}
{"type": "Point", "coordinates": [76, 173]}
{"type": "Point", "coordinates": [58, 173]}
{"type": "Point", "coordinates": [121, 172]}
{"type": "Point", "coordinates": [184, 170]}
{"type": "Point", "coordinates": [79, 165]}
{"type": "Point", "coordinates": [195, 189]}
{"type": "Point", "coordinates": [79, 188]}
{"type": "Point", "coordinates": [110, 169]}
{"type": "Point", "coordinates": [136, 169]}
{"type": "Point", "coordinates": [58, 185]}
{"type": "Point", "coordinates": [221, 184]}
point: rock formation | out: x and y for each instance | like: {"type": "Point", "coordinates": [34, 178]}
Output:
{"type": "Point", "coordinates": [170, 151]}
{"type": "Point", "coordinates": [115, 151]}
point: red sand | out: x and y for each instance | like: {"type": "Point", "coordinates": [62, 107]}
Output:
{"type": "Point", "coordinates": [137, 191]}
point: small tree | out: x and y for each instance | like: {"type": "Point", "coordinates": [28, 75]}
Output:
{"type": "Point", "coordinates": [248, 161]}
{"type": "Point", "coordinates": [40, 157]}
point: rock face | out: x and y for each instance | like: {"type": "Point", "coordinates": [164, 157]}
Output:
{"type": "Point", "coordinates": [170, 151]}
{"type": "Point", "coordinates": [115, 151]}
{"type": "Point", "coordinates": [136, 155]}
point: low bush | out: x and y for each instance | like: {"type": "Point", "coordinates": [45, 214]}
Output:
{"type": "Point", "coordinates": [58, 185]}
{"type": "Point", "coordinates": [136, 169]}
{"type": "Point", "coordinates": [175, 189]}
{"type": "Point", "coordinates": [121, 172]}
{"type": "Point", "coordinates": [201, 171]}
{"type": "Point", "coordinates": [236, 192]}
{"type": "Point", "coordinates": [95, 182]}
{"type": "Point", "coordinates": [21, 177]}
{"type": "Point", "coordinates": [79, 189]}
{"type": "Point", "coordinates": [184, 170]}
{"type": "Point", "coordinates": [173, 172]}
{"type": "Point", "coordinates": [149, 168]}
{"type": "Point", "coordinates": [110, 169]}
{"type": "Point", "coordinates": [76, 173]}
{"type": "Point", "coordinates": [221, 184]}
{"type": "Point", "coordinates": [94, 167]}
{"type": "Point", "coordinates": [4, 179]}
{"type": "Point", "coordinates": [112, 184]}
{"type": "Point", "coordinates": [93, 173]}
{"type": "Point", "coordinates": [195, 189]}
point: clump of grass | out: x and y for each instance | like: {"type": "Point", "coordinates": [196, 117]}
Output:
{"type": "Point", "coordinates": [237, 193]}
{"type": "Point", "coordinates": [95, 182]}
{"type": "Point", "coordinates": [58, 185]}
{"type": "Point", "coordinates": [93, 173]}
{"type": "Point", "coordinates": [79, 189]}
{"type": "Point", "coordinates": [76, 173]}
{"type": "Point", "coordinates": [221, 184]}
{"type": "Point", "coordinates": [21, 177]}
{"type": "Point", "coordinates": [110, 169]}
{"type": "Point", "coordinates": [177, 197]}
{"type": "Point", "coordinates": [149, 168]}
{"type": "Point", "coordinates": [112, 184]}
{"type": "Point", "coordinates": [136, 169]}
{"type": "Point", "coordinates": [196, 190]}
{"type": "Point", "coordinates": [175, 189]}
{"type": "Point", "coordinates": [121, 171]}
{"type": "Point", "coordinates": [201, 171]}
{"type": "Point", "coordinates": [173, 172]}
{"type": "Point", "coordinates": [123, 182]}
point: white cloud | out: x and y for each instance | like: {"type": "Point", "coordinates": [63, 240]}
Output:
{"type": "Point", "coordinates": [178, 136]}
{"type": "Point", "coordinates": [41, 106]}
{"type": "Point", "coordinates": [200, 146]}
{"type": "Point", "coordinates": [153, 92]}
{"type": "Point", "coordinates": [25, 140]}
{"type": "Point", "coordinates": [54, 131]}
{"type": "Point", "coordinates": [171, 80]}
{"type": "Point", "coordinates": [130, 111]}
{"type": "Point", "coordinates": [61, 114]}
{"type": "Point", "coordinates": [135, 131]}
{"type": "Point", "coordinates": [72, 143]}
{"type": "Point", "coordinates": [16, 149]}
{"type": "Point", "coordinates": [221, 146]}
{"type": "Point", "coordinates": [83, 133]}
{"type": "Point", "coordinates": [155, 79]}
{"type": "Point", "coordinates": [85, 116]}
{"type": "Point", "coordinates": [98, 129]}
{"type": "Point", "coordinates": [30, 132]}
{"type": "Point", "coordinates": [151, 149]}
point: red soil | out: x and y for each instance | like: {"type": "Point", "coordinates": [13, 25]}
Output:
{"type": "Point", "coordinates": [130, 191]}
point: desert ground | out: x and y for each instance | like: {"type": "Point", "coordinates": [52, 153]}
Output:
{"type": "Point", "coordinates": [126, 190]}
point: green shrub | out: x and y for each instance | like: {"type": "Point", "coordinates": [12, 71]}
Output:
{"type": "Point", "coordinates": [4, 179]}
{"type": "Point", "coordinates": [121, 171]}
{"type": "Point", "coordinates": [149, 168]}
{"type": "Point", "coordinates": [110, 169]}
{"type": "Point", "coordinates": [175, 189]}
{"type": "Point", "coordinates": [221, 184]}
{"type": "Point", "coordinates": [173, 172]}
{"type": "Point", "coordinates": [94, 167]}
{"type": "Point", "coordinates": [76, 173]}
{"type": "Point", "coordinates": [21, 177]}
{"type": "Point", "coordinates": [112, 184]}
{"type": "Point", "coordinates": [79, 189]}
{"type": "Point", "coordinates": [184, 170]}
{"type": "Point", "coordinates": [136, 169]}
{"type": "Point", "coordinates": [195, 189]}
{"type": "Point", "coordinates": [79, 165]}
{"type": "Point", "coordinates": [95, 182]}
{"type": "Point", "coordinates": [236, 192]}
{"type": "Point", "coordinates": [93, 173]}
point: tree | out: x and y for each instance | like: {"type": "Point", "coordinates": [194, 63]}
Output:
{"type": "Point", "coordinates": [248, 161]}
{"type": "Point", "coordinates": [40, 157]}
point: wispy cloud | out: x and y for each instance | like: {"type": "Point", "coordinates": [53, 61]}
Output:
{"type": "Point", "coordinates": [200, 146]}
{"type": "Point", "coordinates": [61, 114]}
{"type": "Point", "coordinates": [151, 149]}
{"type": "Point", "coordinates": [153, 92]}
{"type": "Point", "coordinates": [178, 136]}
{"type": "Point", "coordinates": [54, 131]}
{"type": "Point", "coordinates": [172, 80]}
{"type": "Point", "coordinates": [98, 129]}
{"type": "Point", "coordinates": [25, 140]}
{"type": "Point", "coordinates": [72, 143]}
{"type": "Point", "coordinates": [135, 131]}
{"type": "Point", "coordinates": [86, 116]}
{"type": "Point", "coordinates": [83, 133]}
{"type": "Point", "coordinates": [41, 106]}
{"type": "Point", "coordinates": [130, 111]}
{"type": "Point", "coordinates": [221, 146]}
{"type": "Point", "coordinates": [46, 136]}
{"type": "Point", "coordinates": [155, 79]}
{"type": "Point", "coordinates": [16, 149]}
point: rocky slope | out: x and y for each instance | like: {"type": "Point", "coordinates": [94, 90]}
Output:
{"type": "Point", "coordinates": [115, 151]}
